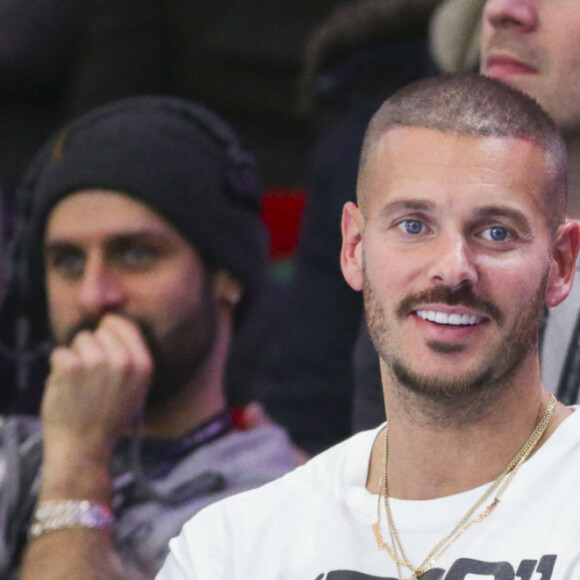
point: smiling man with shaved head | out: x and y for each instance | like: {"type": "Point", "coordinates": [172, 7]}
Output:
{"type": "Point", "coordinates": [458, 242]}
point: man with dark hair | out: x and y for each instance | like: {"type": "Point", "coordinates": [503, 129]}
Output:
{"type": "Point", "coordinates": [142, 249]}
{"type": "Point", "coordinates": [456, 254]}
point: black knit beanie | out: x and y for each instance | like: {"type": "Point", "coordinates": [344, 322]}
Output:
{"type": "Point", "coordinates": [170, 154]}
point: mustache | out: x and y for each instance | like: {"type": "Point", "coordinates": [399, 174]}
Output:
{"type": "Point", "coordinates": [91, 325]}
{"type": "Point", "coordinates": [462, 296]}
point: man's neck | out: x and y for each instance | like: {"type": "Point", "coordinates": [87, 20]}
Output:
{"type": "Point", "coordinates": [189, 408]}
{"type": "Point", "coordinates": [573, 149]}
{"type": "Point", "coordinates": [429, 460]}
{"type": "Point", "coordinates": [200, 399]}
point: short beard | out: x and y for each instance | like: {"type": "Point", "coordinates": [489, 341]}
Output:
{"type": "Point", "coordinates": [179, 354]}
{"type": "Point", "coordinates": [454, 400]}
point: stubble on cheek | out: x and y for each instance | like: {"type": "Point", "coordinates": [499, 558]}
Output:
{"type": "Point", "coordinates": [494, 368]}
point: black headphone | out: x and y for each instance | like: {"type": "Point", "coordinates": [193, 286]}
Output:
{"type": "Point", "coordinates": [243, 186]}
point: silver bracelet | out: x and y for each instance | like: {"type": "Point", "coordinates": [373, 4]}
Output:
{"type": "Point", "coordinates": [61, 514]}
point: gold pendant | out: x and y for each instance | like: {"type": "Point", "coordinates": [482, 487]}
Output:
{"type": "Point", "coordinates": [487, 511]}
{"type": "Point", "coordinates": [378, 536]}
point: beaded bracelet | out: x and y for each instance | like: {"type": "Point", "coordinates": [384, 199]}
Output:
{"type": "Point", "coordinates": [62, 514]}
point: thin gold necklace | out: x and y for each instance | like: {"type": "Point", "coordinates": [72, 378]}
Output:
{"type": "Point", "coordinates": [395, 550]}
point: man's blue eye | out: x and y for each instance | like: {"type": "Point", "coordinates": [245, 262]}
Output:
{"type": "Point", "coordinates": [69, 263]}
{"type": "Point", "coordinates": [411, 226]}
{"type": "Point", "coordinates": [138, 255]}
{"type": "Point", "coordinates": [497, 234]}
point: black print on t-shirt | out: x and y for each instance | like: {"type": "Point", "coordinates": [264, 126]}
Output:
{"type": "Point", "coordinates": [463, 567]}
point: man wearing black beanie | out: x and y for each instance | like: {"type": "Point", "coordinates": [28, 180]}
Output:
{"type": "Point", "coordinates": [140, 250]}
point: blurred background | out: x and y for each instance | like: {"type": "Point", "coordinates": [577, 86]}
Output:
{"type": "Point", "coordinates": [299, 81]}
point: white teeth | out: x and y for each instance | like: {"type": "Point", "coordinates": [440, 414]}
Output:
{"type": "Point", "coordinates": [450, 319]}
{"type": "Point", "coordinates": [454, 319]}
{"type": "Point", "coordinates": [470, 319]}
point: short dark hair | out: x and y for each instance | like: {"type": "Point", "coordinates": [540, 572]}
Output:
{"type": "Point", "coordinates": [473, 105]}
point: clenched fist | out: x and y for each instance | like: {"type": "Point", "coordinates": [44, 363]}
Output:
{"type": "Point", "coordinates": [96, 388]}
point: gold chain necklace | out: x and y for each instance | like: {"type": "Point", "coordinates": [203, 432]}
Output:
{"type": "Point", "coordinates": [395, 550]}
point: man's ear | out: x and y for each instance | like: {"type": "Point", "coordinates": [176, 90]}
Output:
{"type": "Point", "coordinates": [564, 253]}
{"type": "Point", "coordinates": [351, 254]}
{"type": "Point", "coordinates": [227, 290]}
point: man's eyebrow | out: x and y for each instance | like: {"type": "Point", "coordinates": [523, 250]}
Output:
{"type": "Point", "coordinates": [59, 246]}
{"type": "Point", "coordinates": [398, 206]}
{"type": "Point", "coordinates": [136, 236]}
{"type": "Point", "coordinates": [71, 243]}
{"type": "Point", "coordinates": [512, 214]}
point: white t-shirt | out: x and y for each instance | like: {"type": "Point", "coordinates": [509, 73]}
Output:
{"type": "Point", "coordinates": [315, 524]}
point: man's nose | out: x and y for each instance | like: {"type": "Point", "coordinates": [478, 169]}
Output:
{"type": "Point", "coordinates": [453, 262]}
{"type": "Point", "coordinates": [100, 290]}
{"type": "Point", "coordinates": [518, 14]}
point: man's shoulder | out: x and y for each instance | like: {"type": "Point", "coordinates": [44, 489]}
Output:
{"type": "Point", "coordinates": [560, 455]}
{"type": "Point", "coordinates": [323, 478]}
{"type": "Point", "coordinates": [20, 450]}
{"type": "Point", "coordinates": [20, 460]}
{"type": "Point", "coordinates": [566, 438]}
{"type": "Point", "coordinates": [245, 458]}
{"type": "Point", "coordinates": [18, 429]}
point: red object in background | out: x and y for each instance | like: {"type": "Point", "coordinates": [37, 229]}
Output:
{"type": "Point", "coordinates": [282, 210]}
{"type": "Point", "coordinates": [238, 418]}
